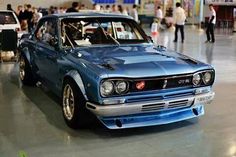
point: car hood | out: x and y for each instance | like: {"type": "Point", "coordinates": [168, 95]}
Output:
{"type": "Point", "coordinates": [138, 61]}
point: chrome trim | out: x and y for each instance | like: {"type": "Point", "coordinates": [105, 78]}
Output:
{"type": "Point", "coordinates": [135, 108]}
{"type": "Point", "coordinates": [68, 102]}
{"type": "Point", "coordinates": [165, 84]}
{"type": "Point", "coordinates": [22, 68]}
{"type": "Point", "coordinates": [113, 101]}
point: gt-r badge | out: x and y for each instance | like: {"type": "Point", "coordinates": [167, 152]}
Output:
{"type": "Point", "coordinates": [185, 81]}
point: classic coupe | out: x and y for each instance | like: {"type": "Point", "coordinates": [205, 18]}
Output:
{"type": "Point", "coordinates": [105, 66]}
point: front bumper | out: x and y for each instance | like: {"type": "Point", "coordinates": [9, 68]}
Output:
{"type": "Point", "coordinates": [150, 113]}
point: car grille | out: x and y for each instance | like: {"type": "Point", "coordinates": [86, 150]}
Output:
{"type": "Point", "coordinates": [170, 105]}
{"type": "Point", "coordinates": [163, 83]}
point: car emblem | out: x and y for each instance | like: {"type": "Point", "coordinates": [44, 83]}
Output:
{"type": "Point", "coordinates": [140, 85]}
{"type": "Point", "coordinates": [164, 84]}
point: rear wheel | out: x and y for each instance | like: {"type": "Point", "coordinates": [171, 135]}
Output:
{"type": "Point", "coordinates": [26, 75]}
{"type": "Point", "coordinates": [73, 106]}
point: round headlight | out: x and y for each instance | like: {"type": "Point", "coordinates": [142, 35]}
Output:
{"type": "Point", "coordinates": [121, 87]}
{"type": "Point", "coordinates": [196, 79]}
{"type": "Point", "coordinates": [207, 78]}
{"type": "Point", "coordinates": [107, 88]}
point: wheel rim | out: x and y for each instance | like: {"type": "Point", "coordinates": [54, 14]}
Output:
{"type": "Point", "coordinates": [22, 68]}
{"type": "Point", "coordinates": [68, 102]}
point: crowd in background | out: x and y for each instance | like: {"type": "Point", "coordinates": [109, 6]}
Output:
{"type": "Point", "coordinates": [29, 16]}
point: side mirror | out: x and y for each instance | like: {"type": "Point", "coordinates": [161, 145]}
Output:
{"type": "Point", "coordinates": [161, 48]}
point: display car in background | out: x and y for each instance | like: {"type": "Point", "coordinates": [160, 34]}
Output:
{"type": "Point", "coordinates": [105, 65]}
{"type": "Point", "coordinates": [10, 33]}
{"type": "Point", "coordinates": [9, 21]}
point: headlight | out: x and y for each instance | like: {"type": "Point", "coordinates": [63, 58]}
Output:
{"type": "Point", "coordinates": [207, 78]}
{"type": "Point", "coordinates": [107, 88]}
{"type": "Point", "coordinates": [121, 87]}
{"type": "Point", "coordinates": [196, 79]}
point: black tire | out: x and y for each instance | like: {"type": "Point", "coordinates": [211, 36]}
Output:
{"type": "Point", "coordinates": [81, 117]}
{"type": "Point", "coordinates": [27, 78]}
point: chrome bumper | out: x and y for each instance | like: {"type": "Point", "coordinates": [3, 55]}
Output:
{"type": "Point", "coordinates": [150, 106]}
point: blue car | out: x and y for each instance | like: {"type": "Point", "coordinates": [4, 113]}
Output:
{"type": "Point", "coordinates": [105, 66]}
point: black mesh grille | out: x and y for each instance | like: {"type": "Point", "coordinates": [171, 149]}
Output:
{"type": "Point", "coordinates": [163, 83]}
{"type": "Point", "coordinates": [179, 82]}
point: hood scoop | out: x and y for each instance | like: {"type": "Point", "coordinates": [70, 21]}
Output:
{"type": "Point", "coordinates": [189, 60]}
{"type": "Point", "coordinates": [107, 66]}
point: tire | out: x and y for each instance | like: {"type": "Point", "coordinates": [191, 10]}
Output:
{"type": "Point", "coordinates": [73, 106]}
{"type": "Point", "coordinates": [26, 75]}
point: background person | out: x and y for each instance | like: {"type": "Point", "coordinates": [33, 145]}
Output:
{"type": "Point", "coordinates": [74, 8]}
{"type": "Point", "coordinates": [114, 9]}
{"type": "Point", "coordinates": [28, 17]}
{"type": "Point", "coordinates": [134, 13]}
{"type": "Point", "coordinates": [20, 13]}
{"type": "Point", "coordinates": [159, 14]}
{"type": "Point", "coordinates": [120, 9]}
{"type": "Point", "coordinates": [108, 8]}
{"type": "Point", "coordinates": [36, 16]}
{"type": "Point", "coordinates": [179, 20]}
{"type": "Point", "coordinates": [211, 25]}
{"type": "Point", "coordinates": [9, 7]}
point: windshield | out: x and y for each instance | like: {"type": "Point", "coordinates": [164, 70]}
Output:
{"type": "Point", "coordinates": [97, 31]}
{"type": "Point", "coordinates": [7, 18]}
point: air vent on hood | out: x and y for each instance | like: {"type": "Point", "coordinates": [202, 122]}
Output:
{"type": "Point", "coordinates": [107, 66]}
{"type": "Point", "coordinates": [190, 60]}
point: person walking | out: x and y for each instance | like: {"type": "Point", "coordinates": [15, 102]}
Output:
{"type": "Point", "coordinates": [179, 19]}
{"type": "Point", "coordinates": [211, 25]}
{"type": "Point", "coordinates": [134, 13]}
{"type": "Point", "coordinates": [159, 14]}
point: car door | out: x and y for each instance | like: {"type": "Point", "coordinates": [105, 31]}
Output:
{"type": "Point", "coordinates": [47, 54]}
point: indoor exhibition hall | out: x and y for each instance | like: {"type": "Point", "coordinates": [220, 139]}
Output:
{"type": "Point", "coordinates": [118, 78]}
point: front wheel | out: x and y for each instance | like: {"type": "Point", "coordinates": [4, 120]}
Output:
{"type": "Point", "coordinates": [73, 106]}
{"type": "Point", "coordinates": [26, 75]}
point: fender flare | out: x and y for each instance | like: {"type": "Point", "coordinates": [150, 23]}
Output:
{"type": "Point", "coordinates": [26, 53]}
{"type": "Point", "coordinates": [74, 74]}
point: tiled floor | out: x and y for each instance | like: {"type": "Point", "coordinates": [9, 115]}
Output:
{"type": "Point", "coordinates": [31, 119]}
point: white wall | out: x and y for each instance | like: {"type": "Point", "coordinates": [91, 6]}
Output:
{"type": "Point", "coordinates": [41, 3]}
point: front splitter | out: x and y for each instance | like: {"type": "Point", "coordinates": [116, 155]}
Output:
{"type": "Point", "coordinates": [152, 119]}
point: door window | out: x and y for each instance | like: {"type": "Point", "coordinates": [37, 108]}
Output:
{"type": "Point", "coordinates": [46, 33]}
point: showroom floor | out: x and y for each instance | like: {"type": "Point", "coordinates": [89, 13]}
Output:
{"type": "Point", "coordinates": [32, 123]}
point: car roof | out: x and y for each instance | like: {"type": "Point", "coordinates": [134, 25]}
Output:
{"type": "Point", "coordinates": [87, 15]}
